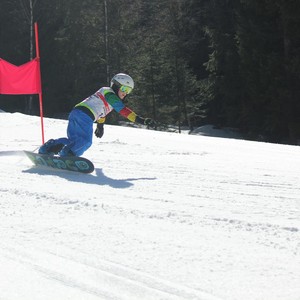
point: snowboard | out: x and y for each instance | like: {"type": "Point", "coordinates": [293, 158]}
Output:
{"type": "Point", "coordinates": [69, 163]}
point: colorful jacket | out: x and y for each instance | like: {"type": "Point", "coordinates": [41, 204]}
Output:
{"type": "Point", "coordinates": [101, 103]}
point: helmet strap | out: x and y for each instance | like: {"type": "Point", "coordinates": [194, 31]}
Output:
{"type": "Point", "coordinates": [115, 88]}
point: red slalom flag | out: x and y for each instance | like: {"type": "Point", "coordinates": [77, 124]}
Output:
{"type": "Point", "coordinates": [18, 80]}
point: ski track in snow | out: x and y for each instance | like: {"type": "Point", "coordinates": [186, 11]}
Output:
{"type": "Point", "coordinates": [164, 216]}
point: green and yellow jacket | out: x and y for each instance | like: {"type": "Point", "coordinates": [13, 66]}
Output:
{"type": "Point", "coordinates": [101, 103]}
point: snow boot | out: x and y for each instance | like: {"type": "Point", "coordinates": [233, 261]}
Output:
{"type": "Point", "coordinates": [50, 147]}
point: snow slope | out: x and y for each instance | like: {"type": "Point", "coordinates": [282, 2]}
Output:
{"type": "Point", "coordinates": [164, 216]}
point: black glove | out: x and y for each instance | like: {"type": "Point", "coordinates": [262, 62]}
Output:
{"type": "Point", "coordinates": [99, 130]}
{"type": "Point", "coordinates": [149, 122]}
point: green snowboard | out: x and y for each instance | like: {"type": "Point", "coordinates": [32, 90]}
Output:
{"type": "Point", "coordinates": [69, 163]}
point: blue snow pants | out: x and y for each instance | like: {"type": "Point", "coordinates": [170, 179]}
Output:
{"type": "Point", "coordinates": [79, 132]}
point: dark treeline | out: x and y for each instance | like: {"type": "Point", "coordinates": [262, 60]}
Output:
{"type": "Point", "coordinates": [231, 63]}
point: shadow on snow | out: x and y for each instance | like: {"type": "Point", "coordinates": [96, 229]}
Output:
{"type": "Point", "coordinates": [97, 177]}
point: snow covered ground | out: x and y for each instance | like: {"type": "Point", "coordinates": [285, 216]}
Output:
{"type": "Point", "coordinates": [164, 216]}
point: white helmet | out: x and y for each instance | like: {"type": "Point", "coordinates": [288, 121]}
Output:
{"type": "Point", "coordinates": [122, 80]}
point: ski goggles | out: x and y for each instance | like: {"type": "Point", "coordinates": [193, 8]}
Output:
{"type": "Point", "coordinates": [125, 89]}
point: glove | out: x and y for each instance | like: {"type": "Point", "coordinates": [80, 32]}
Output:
{"type": "Point", "coordinates": [99, 130]}
{"type": "Point", "coordinates": [149, 122]}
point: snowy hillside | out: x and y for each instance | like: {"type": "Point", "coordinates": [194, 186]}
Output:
{"type": "Point", "coordinates": [164, 216]}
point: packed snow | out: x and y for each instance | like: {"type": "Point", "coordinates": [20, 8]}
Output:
{"type": "Point", "coordinates": [163, 216]}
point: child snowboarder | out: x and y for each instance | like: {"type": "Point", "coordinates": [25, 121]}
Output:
{"type": "Point", "coordinates": [94, 109]}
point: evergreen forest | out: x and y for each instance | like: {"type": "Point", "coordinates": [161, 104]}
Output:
{"type": "Point", "coordinates": [229, 63]}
